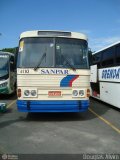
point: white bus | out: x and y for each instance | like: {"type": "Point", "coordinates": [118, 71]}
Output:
{"type": "Point", "coordinates": [53, 72]}
{"type": "Point", "coordinates": [7, 73]}
{"type": "Point", "coordinates": [105, 75]}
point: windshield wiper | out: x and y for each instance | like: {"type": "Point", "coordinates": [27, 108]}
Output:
{"type": "Point", "coordinates": [38, 65]}
{"type": "Point", "coordinates": [68, 62]}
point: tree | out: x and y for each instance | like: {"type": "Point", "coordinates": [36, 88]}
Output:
{"type": "Point", "coordinates": [12, 50]}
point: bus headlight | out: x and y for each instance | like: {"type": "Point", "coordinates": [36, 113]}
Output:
{"type": "Point", "coordinates": [33, 93]}
{"type": "Point", "coordinates": [81, 93]}
{"type": "Point", "coordinates": [75, 93]}
{"type": "Point", "coordinates": [26, 92]}
{"type": "Point", "coordinates": [4, 84]}
{"type": "Point", "coordinates": [30, 93]}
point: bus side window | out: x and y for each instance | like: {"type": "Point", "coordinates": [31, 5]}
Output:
{"type": "Point", "coordinates": [118, 54]}
{"type": "Point", "coordinates": [108, 57]}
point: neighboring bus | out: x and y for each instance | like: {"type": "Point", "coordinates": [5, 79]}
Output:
{"type": "Point", "coordinates": [53, 72]}
{"type": "Point", "coordinates": [7, 73]}
{"type": "Point", "coordinates": [105, 75]}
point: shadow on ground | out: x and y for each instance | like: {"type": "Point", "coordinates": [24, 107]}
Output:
{"type": "Point", "coordinates": [100, 106]}
{"type": "Point", "coordinates": [8, 97]}
{"type": "Point", "coordinates": [97, 106]}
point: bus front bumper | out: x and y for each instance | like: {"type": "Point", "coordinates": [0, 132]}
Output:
{"type": "Point", "coordinates": [53, 106]}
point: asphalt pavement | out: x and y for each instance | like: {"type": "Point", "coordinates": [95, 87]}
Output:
{"type": "Point", "coordinates": [95, 131]}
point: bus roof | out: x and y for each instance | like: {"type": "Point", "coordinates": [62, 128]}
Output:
{"type": "Point", "coordinates": [8, 53]}
{"type": "Point", "coordinates": [50, 33]}
{"type": "Point", "coordinates": [106, 47]}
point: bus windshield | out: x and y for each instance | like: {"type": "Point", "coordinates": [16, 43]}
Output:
{"type": "Point", "coordinates": [4, 66]}
{"type": "Point", "coordinates": [72, 50]}
{"type": "Point", "coordinates": [59, 52]}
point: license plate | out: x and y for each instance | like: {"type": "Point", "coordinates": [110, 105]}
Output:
{"type": "Point", "coordinates": [54, 93]}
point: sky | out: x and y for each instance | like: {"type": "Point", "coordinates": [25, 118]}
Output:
{"type": "Point", "coordinates": [98, 19]}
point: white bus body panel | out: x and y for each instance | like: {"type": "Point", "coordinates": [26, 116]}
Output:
{"type": "Point", "coordinates": [93, 73]}
{"type": "Point", "coordinates": [110, 93]}
{"type": "Point", "coordinates": [109, 83]}
{"type": "Point", "coordinates": [35, 34]}
{"type": "Point", "coordinates": [111, 74]}
{"type": "Point", "coordinates": [51, 82]}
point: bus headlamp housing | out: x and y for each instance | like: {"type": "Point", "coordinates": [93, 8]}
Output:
{"type": "Point", "coordinates": [75, 93]}
{"type": "Point", "coordinates": [30, 93]}
{"type": "Point", "coordinates": [33, 93]}
{"type": "Point", "coordinates": [26, 93]}
{"type": "Point", "coordinates": [79, 93]}
{"type": "Point", "coordinates": [3, 84]}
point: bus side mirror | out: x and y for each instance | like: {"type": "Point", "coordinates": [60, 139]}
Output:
{"type": "Point", "coordinates": [90, 57]}
{"type": "Point", "coordinates": [12, 66]}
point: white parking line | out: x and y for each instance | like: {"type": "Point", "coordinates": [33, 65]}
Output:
{"type": "Point", "coordinates": [105, 121]}
{"type": "Point", "coordinates": [10, 105]}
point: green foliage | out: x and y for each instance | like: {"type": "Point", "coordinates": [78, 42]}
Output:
{"type": "Point", "coordinates": [12, 50]}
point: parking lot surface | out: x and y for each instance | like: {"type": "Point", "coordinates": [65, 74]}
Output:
{"type": "Point", "coordinates": [94, 131]}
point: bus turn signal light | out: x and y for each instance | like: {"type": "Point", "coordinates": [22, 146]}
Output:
{"type": "Point", "coordinates": [88, 92]}
{"type": "Point", "coordinates": [19, 92]}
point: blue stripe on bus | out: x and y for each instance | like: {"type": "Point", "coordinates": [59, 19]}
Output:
{"type": "Point", "coordinates": [66, 80]}
{"type": "Point", "coordinates": [53, 106]}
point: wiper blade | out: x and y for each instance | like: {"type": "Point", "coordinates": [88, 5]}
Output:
{"type": "Point", "coordinates": [38, 65]}
{"type": "Point", "coordinates": [68, 62]}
